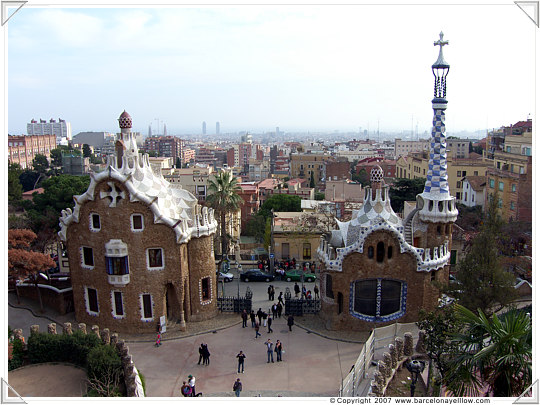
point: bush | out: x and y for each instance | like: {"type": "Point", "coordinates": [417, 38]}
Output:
{"type": "Point", "coordinates": [103, 360]}
{"type": "Point", "coordinates": [44, 347]}
{"type": "Point", "coordinates": [143, 381]}
{"type": "Point", "coordinates": [17, 355]}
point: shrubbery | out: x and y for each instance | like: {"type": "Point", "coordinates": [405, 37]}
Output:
{"type": "Point", "coordinates": [17, 355]}
{"type": "Point", "coordinates": [43, 347]}
{"type": "Point", "coordinates": [103, 360]}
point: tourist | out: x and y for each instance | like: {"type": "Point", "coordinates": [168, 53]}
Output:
{"type": "Point", "coordinates": [279, 309]}
{"type": "Point", "coordinates": [191, 383]}
{"type": "Point", "coordinates": [270, 325]}
{"type": "Point", "coordinates": [269, 293]}
{"type": "Point", "coordinates": [244, 318]}
{"type": "Point", "coordinates": [290, 322]}
{"type": "Point", "coordinates": [296, 290]}
{"type": "Point", "coordinates": [241, 357]}
{"type": "Point", "coordinates": [280, 298]}
{"type": "Point", "coordinates": [185, 389]}
{"type": "Point", "coordinates": [264, 316]}
{"type": "Point", "coordinates": [274, 310]}
{"type": "Point", "coordinates": [158, 339]}
{"type": "Point", "coordinates": [259, 315]}
{"type": "Point", "coordinates": [201, 353]}
{"type": "Point", "coordinates": [257, 334]}
{"type": "Point", "coordinates": [303, 291]}
{"type": "Point", "coordinates": [316, 291]}
{"type": "Point", "coordinates": [269, 347]}
{"type": "Point", "coordinates": [308, 294]}
{"type": "Point", "coordinates": [278, 350]}
{"type": "Point", "coordinates": [272, 293]}
{"type": "Point", "coordinates": [252, 317]}
{"type": "Point", "coordinates": [237, 387]}
{"type": "Point", "coordinates": [206, 355]}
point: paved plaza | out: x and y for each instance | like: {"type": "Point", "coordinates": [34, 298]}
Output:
{"type": "Point", "coordinates": [314, 361]}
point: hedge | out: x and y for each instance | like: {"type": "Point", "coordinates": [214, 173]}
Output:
{"type": "Point", "coordinates": [45, 347]}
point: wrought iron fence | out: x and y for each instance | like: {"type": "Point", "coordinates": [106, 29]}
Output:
{"type": "Point", "coordinates": [234, 304]}
{"type": "Point", "coordinates": [299, 307]}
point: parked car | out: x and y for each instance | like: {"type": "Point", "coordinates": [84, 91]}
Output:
{"type": "Point", "coordinates": [256, 275]}
{"type": "Point", "coordinates": [296, 275]}
{"type": "Point", "coordinates": [226, 277]}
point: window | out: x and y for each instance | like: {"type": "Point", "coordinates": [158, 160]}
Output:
{"type": "Point", "coordinates": [476, 172]}
{"type": "Point", "coordinates": [501, 186]}
{"type": "Point", "coordinates": [458, 184]}
{"type": "Point", "coordinates": [155, 258]}
{"type": "Point", "coordinates": [205, 288]}
{"type": "Point", "coordinates": [500, 203]}
{"type": "Point", "coordinates": [307, 251]}
{"type": "Point", "coordinates": [146, 300]}
{"type": "Point", "coordinates": [117, 266]}
{"type": "Point", "coordinates": [285, 251]}
{"type": "Point", "coordinates": [378, 299]}
{"type": "Point", "coordinates": [492, 183]}
{"type": "Point", "coordinates": [458, 196]}
{"type": "Point", "coordinates": [512, 205]}
{"type": "Point", "coordinates": [87, 257]}
{"type": "Point", "coordinates": [380, 252]}
{"type": "Point", "coordinates": [389, 252]}
{"type": "Point", "coordinates": [92, 306]}
{"type": "Point", "coordinates": [340, 302]}
{"type": "Point", "coordinates": [370, 252]}
{"type": "Point", "coordinates": [329, 290]}
{"type": "Point", "coordinates": [464, 173]}
{"type": "Point", "coordinates": [137, 223]}
{"type": "Point", "coordinates": [95, 224]}
{"type": "Point", "coordinates": [459, 173]}
{"type": "Point", "coordinates": [432, 277]}
{"type": "Point", "coordinates": [118, 304]}
{"type": "Point", "coordinates": [453, 257]}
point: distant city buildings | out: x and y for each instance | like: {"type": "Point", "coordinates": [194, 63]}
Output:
{"type": "Point", "coordinates": [61, 129]}
{"type": "Point", "coordinates": [217, 128]}
{"type": "Point", "coordinates": [204, 128]}
{"type": "Point", "coordinates": [23, 149]}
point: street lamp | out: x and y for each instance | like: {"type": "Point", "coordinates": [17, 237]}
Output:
{"type": "Point", "coordinates": [415, 367]}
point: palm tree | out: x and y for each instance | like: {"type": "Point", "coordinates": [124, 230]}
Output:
{"type": "Point", "coordinates": [495, 352]}
{"type": "Point", "coordinates": [224, 198]}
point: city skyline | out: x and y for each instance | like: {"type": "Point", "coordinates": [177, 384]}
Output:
{"type": "Point", "coordinates": [252, 68]}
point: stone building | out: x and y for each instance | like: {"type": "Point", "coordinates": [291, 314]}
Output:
{"type": "Point", "coordinates": [378, 268]}
{"type": "Point", "coordinates": [139, 250]}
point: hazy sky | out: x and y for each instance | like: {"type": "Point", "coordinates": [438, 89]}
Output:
{"type": "Point", "coordinates": [256, 67]}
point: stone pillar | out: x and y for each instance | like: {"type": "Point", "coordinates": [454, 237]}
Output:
{"type": "Point", "coordinates": [129, 369]}
{"type": "Point", "coordinates": [105, 336]}
{"type": "Point", "coordinates": [34, 329]}
{"type": "Point", "coordinates": [67, 328]}
{"type": "Point", "coordinates": [383, 369]}
{"type": "Point", "coordinates": [387, 358]}
{"type": "Point", "coordinates": [376, 389]}
{"type": "Point", "coordinates": [51, 328]}
{"type": "Point", "coordinates": [399, 347]}
{"type": "Point", "coordinates": [393, 355]}
{"type": "Point", "coordinates": [114, 339]}
{"type": "Point", "coordinates": [180, 287]}
{"type": "Point", "coordinates": [379, 378]}
{"type": "Point", "coordinates": [95, 330]}
{"type": "Point", "coordinates": [420, 344]}
{"type": "Point", "coordinates": [82, 328]}
{"type": "Point", "coordinates": [408, 344]}
{"type": "Point", "coordinates": [120, 345]}
{"type": "Point", "coordinates": [131, 385]}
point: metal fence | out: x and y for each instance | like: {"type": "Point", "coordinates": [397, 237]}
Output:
{"type": "Point", "coordinates": [234, 304]}
{"type": "Point", "coordinates": [357, 382]}
{"type": "Point", "coordinates": [300, 307]}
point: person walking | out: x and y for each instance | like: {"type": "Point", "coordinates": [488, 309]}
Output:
{"type": "Point", "coordinates": [274, 310]}
{"type": "Point", "coordinates": [270, 353]}
{"type": "Point", "coordinates": [185, 389]}
{"type": "Point", "coordinates": [296, 290]}
{"type": "Point", "coordinates": [270, 325]}
{"type": "Point", "coordinates": [269, 293]}
{"type": "Point", "coordinates": [191, 383]}
{"type": "Point", "coordinates": [237, 387]}
{"type": "Point", "coordinates": [278, 350]}
{"type": "Point", "coordinates": [264, 316]}
{"type": "Point", "coordinates": [280, 298]}
{"type": "Point", "coordinates": [158, 338]}
{"type": "Point", "coordinates": [241, 357]}
{"type": "Point", "coordinates": [252, 317]}
{"type": "Point", "coordinates": [316, 291]}
{"type": "Point", "coordinates": [257, 334]}
{"type": "Point", "coordinates": [244, 318]}
{"type": "Point", "coordinates": [272, 293]}
{"type": "Point", "coordinates": [290, 322]}
{"type": "Point", "coordinates": [279, 309]}
{"type": "Point", "coordinates": [303, 291]}
{"type": "Point", "coordinates": [259, 315]}
{"type": "Point", "coordinates": [206, 356]}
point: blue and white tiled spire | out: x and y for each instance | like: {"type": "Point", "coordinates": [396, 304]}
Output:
{"type": "Point", "coordinates": [436, 203]}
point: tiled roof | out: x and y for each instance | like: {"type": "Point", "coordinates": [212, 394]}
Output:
{"type": "Point", "coordinates": [477, 182]}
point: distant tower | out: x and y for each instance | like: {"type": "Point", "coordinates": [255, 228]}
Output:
{"type": "Point", "coordinates": [436, 207]}
{"type": "Point", "coordinates": [164, 130]}
{"type": "Point", "coordinates": [277, 131]}
{"type": "Point", "coordinates": [149, 131]}
{"type": "Point", "coordinates": [204, 127]}
{"type": "Point", "coordinates": [217, 128]}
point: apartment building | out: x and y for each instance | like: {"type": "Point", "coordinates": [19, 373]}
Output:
{"type": "Point", "coordinates": [22, 149]}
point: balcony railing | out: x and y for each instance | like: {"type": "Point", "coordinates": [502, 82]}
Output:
{"type": "Point", "coordinates": [120, 280]}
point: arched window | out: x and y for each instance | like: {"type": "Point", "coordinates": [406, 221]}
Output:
{"type": "Point", "coordinates": [370, 252]}
{"type": "Point", "coordinates": [380, 252]}
{"type": "Point", "coordinates": [378, 299]}
{"type": "Point", "coordinates": [438, 229]}
{"type": "Point", "coordinates": [389, 252]}
{"type": "Point", "coordinates": [329, 291]}
{"type": "Point", "coordinates": [340, 302]}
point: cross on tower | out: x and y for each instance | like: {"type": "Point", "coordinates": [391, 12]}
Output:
{"type": "Point", "coordinates": [440, 42]}
{"type": "Point", "coordinates": [114, 195]}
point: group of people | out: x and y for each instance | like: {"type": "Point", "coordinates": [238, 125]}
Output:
{"type": "Point", "coordinates": [306, 294]}
{"type": "Point", "coordinates": [204, 355]}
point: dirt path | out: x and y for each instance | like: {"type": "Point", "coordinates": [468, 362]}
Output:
{"type": "Point", "coordinates": [48, 380]}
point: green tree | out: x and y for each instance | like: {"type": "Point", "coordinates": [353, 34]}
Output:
{"type": "Point", "coordinates": [40, 163]}
{"type": "Point", "coordinates": [223, 196]}
{"type": "Point", "coordinates": [87, 151]}
{"type": "Point", "coordinates": [482, 284]}
{"type": "Point", "coordinates": [15, 189]}
{"type": "Point", "coordinates": [319, 196]}
{"type": "Point", "coordinates": [178, 163]}
{"type": "Point", "coordinates": [496, 351]}
{"type": "Point", "coordinates": [29, 178]}
{"type": "Point", "coordinates": [56, 157]}
{"type": "Point", "coordinates": [46, 208]}
{"type": "Point", "coordinates": [280, 203]}
{"type": "Point", "coordinates": [256, 227]}
{"type": "Point", "coordinates": [405, 190]}
{"type": "Point", "coordinates": [362, 177]}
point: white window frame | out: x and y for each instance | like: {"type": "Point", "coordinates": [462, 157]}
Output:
{"type": "Point", "coordinates": [91, 222]}
{"type": "Point", "coordinates": [141, 302]}
{"type": "Point", "coordinates": [148, 259]}
{"type": "Point", "coordinates": [142, 221]}
{"type": "Point", "coordinates": [87, 301]}
{"type": "Point", "coordinates": [113, 305]}
{"type": "Point", "coordinates": [210, 288]}
{"type": "Point", "coordinates": [83, 264]}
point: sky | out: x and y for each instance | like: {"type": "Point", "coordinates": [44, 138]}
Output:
{"type": "Point", "coordinates": [258, 67]}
